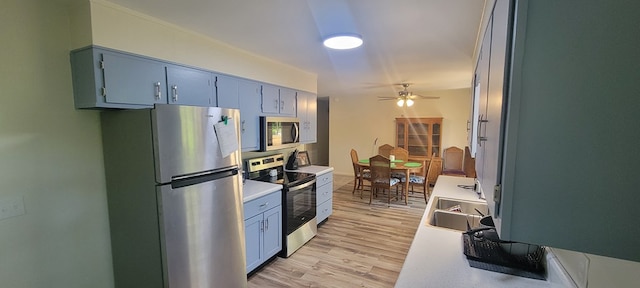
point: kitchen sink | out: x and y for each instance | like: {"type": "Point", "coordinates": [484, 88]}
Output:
{"type": "Point", "coordinates": [465, 207]}
{"type": "Point", "coordinates": [455, 214]}
{"type": "Point", "coordinates": [453, 220]}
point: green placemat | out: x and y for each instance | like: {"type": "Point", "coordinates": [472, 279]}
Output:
{"type": "Point", "coordinates": [366, 161]}
{"type": "Point", "coordinates": [412, 164]}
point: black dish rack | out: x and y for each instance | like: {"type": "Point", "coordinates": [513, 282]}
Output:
{"type": "Point", "coordinates": [489, 255]}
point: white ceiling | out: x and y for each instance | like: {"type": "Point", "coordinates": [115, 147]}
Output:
{"type": "Point", "coordinates": [426, 42]}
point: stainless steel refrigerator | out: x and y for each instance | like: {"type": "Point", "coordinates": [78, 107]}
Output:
{"type": "Point", "coordinates": [174, 192]}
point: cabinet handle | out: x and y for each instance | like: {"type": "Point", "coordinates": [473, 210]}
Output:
{"type": "Point", "coordinates": [242, 126]}
{"type": "Point", "coordinates": [262, 226]}
{"type": "Point", "coordinates": [265, 204]}
{"type": "Point", "coordinates": [480, 122]}
{"type": "Point", "coordinates": [158, 92]}
{"type": "Point", "coordinates": [174, 88]}
{"type": "Point", "coordinates": [275, 104]}
{"type": "Point", "coordinates": [281, 105]}
{"type": "Point", "coordinates": [266, 226]}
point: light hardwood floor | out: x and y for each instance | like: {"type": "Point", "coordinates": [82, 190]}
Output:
{"type": "Point", "coordinates": [361, 245]}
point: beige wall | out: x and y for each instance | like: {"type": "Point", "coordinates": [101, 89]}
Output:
{"type": "Point", "coordinates": [123, 29]}
{"type": "Point", "coordinates": [50, 156]}
{"type": "Point", "coordinates": [355, 122]}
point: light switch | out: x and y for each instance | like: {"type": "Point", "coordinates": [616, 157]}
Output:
{"type": "Point", "coordinates": [11, 207]}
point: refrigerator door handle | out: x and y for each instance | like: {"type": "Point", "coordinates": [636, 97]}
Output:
{"type": "Point", "coordinates": [191, 179]}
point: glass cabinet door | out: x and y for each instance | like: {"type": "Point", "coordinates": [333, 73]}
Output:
{"type": "Point", "coordinates": [420, 136]}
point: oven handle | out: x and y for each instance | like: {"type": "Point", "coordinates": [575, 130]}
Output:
{"type": "Point", "coordinates": [302, 186]}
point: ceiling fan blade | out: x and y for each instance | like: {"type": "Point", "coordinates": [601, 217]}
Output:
{"type": "Point", "coordinates": [414, 96]}
{"type": "Point", "coordinates": [387, 98]}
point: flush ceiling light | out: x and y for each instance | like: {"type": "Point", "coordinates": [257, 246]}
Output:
{"type": "Point", "coordinates": [343, 41]}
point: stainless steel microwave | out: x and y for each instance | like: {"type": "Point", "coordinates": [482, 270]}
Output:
{"type": "Point", "coordinates": [279, 133]}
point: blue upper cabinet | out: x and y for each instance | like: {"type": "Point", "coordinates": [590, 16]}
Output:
{"type": "Point", "coordinates": [104, 78]}
{"type": "Point", "coordinates": [307, 113]}
{"type": "Point", "coordinates": [237, 93]}
{"type": "Point", "coordinates": [188, 86]}
{"type": "Point", "coordinates": [270, 99]}
{"type": "Point", "coordinates": [287, 102]}
{"type": "Point", "coordinates": [107, 79]}
{"type": "Point", "coordinates": [249, 95]}
{"type": "Point", "coordinates": [227, 91]}
{"type": "Point", "coordinates": [278, 101]}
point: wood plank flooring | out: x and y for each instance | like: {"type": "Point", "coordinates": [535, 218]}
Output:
{"type": "Point", "coordinates": [361, 245]}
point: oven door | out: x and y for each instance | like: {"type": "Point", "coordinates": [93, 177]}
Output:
{"type": "Point", "coordinates": [300, 202]}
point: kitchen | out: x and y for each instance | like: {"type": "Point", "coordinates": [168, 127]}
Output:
{"type": "Point", "coordinates": [52, 153]}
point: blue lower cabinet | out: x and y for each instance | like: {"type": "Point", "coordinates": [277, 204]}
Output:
{"type": "Point", "coordinates": [263, 229]}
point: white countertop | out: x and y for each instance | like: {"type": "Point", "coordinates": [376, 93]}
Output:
{"type": "Point", "coordinates": [254, 189]}
{"type": "Point", "coordinates": [435, 258]}
{"type": "Point", "coordinates": [313, 169]}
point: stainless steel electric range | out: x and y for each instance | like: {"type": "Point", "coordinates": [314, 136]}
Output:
{"type": "Point", "coordinates": [298, 201]}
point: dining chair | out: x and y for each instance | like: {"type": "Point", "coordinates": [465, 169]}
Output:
{"type": "Point", "coordinates": [385, 150]}
{"type": "Point", "coordinates": [427, 179]}
{"type": "Point", "coordinates": [381, 179]}
{"type": "Point", "coordinates": [360, 175]}
{"type": "Point", "coordinates": [400, 153]}
{"type": "Point", "coordinates": [453, 158]}
{"type": "Point", "coordinates": [469, 163]}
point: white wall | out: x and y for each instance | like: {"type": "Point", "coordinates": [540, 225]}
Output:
{"type": "Point", "coordinates": [355, 122]}
{"type": "Point", "coordinates": [50, 156]}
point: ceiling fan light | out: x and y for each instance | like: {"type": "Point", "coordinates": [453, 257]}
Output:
{"type": "Point", "coordinates": [343, 41]}
{"type": "Point", "coordinates": [400, 102]}
{"type": "Point", "coordinates": [409, 102]}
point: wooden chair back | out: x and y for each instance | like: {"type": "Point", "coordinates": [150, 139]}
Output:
{"type": "Point", "coordinates": [380, 167]}
{"type": "Point", "coordinates": [453, 158]}
{"type": "Point", "coordinates": [469, 163]}
{"type": "Point", "coordinates": [354, 161]}
{"type": "Point", "coordinates": [400, 153]}
{"type": "Point", "coordinates": [434, 170]}
{"type": "Point", "coordinates": [385, 150]}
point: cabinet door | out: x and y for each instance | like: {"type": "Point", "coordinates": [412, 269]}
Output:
{"type": "Point", "coordinates": [270, 99]}
{"type": "Point", "coordinates": [249, 95]}
{"type": "Point", "coordinates": [227, 92]}
{"type": "Point", "coordinates": [188, 86]}
{"type": "Point", "coordinates": [253, 241]}
{"type": "Point", "coordinates": [482, 71]}
{"type": "Point", "coordinates": [307, 112]}
{"type": "Point", "coordinates": [401, 140]}
{"type": "Point", "coordinates": [492, 128]}
{"type": "Point", "coordinates": [287, 102]}
{"type": "Point", "coordinates": [324, 210]}
{"type": "Point", "coordinates": [133, 80]}
{"type": "Point", "coordinates": [272, 236]}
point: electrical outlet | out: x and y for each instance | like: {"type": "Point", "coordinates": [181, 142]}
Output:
{"type": "Point", "coordinates": [11, 207]}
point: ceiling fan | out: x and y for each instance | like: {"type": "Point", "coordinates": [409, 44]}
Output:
{"type": "Point", "coordinates": [406, 97]}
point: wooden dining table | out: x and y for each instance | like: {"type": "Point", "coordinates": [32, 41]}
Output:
{"type": "Point", "coordinates": [398, 166]}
